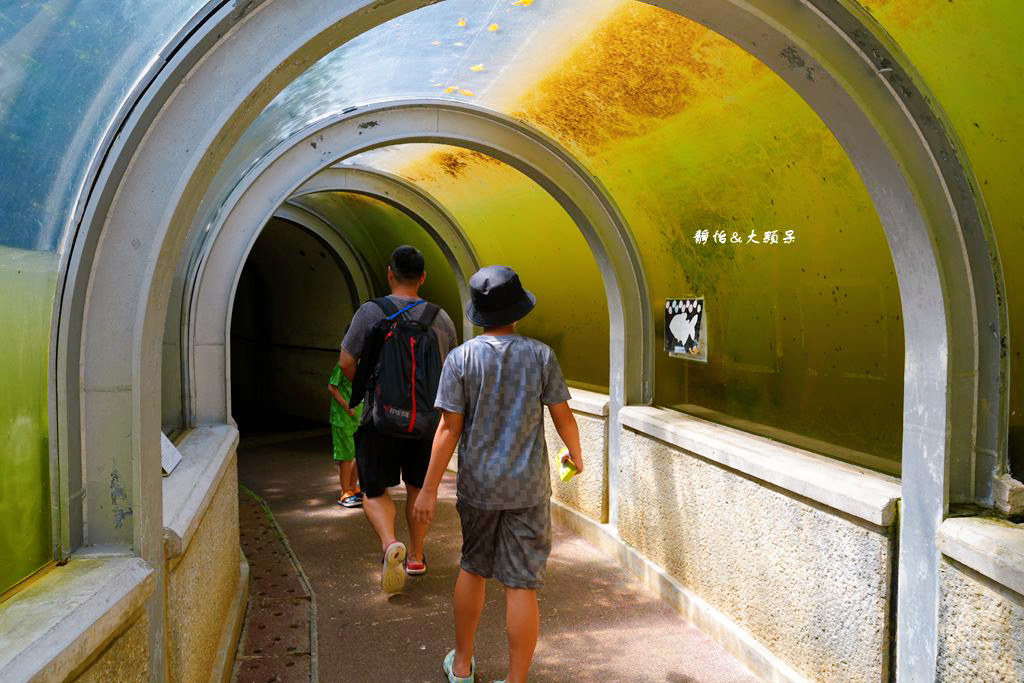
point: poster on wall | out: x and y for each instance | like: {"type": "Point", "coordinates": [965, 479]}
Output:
{"type": "Point", "coordinates": [686, 329]}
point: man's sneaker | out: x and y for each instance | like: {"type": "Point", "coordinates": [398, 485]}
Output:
{"type": "Point", "coordinates": [352, 500]}
{"type": "Point", "coordinates": [392, 568]}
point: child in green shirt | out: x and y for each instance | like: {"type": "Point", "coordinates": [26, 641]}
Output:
{"type": "Point", "coordinates": [344, 422]}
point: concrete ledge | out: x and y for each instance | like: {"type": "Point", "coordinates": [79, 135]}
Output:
{"type": "Point", "coordinates": [589, 402]}
{"type": "Point", "coordinates": [206, 452]}
{"type": "Point", "coordinates": [52, 628]}
{"type": "Point", "coordinates": [225, 664]}
{"type": "Point", "coordinates": [991, 547]}
{"type": "Point", "coordinates": [861, 493]}
{"type": "Point", "coordinates": [736, 641]}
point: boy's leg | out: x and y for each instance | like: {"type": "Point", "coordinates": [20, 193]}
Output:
{"type": "Point", "coordinates": [417, 531]}
{"type": "Point", "coordinates": [468, 603]}
{"type": "Point", "coordinates": [522, 620]}
{"type": "Point", "coordinates": [522, 550]}
{"type": "Point", "coordinates": [346, 468]}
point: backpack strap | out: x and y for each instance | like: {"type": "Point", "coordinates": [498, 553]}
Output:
{"type": "Point", "coordinates": [386, 305]}
{"type": "Point", "coordinates": [430, 312]}
{"type": "Point", "coordinates": [391, 310]}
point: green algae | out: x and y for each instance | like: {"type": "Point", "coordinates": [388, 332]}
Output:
{"type": "Point", "coordinates": [27, 280]}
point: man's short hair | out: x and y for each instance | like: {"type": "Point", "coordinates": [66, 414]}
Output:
{"type": "Point", "coordinates": [407, 264]}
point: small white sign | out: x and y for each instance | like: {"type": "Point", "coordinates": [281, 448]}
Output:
{"type": "Point", "coordinates": [169, 455]}
{"type": "Point", "coordinates": [686, 328]}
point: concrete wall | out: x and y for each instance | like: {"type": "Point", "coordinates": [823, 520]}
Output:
{"type": "Point", "coordinates": [202, 585]}
{"type": "Point", "coordinates": [291, 309]}
{"type": "Point", "coordinates": [588, 493]}
{"type": "Point", "coordinates": [981, 632]}
{"type": "Point", "coordinates": [125, 660]}
{"type": "Point", "coordinates": [810, 584]}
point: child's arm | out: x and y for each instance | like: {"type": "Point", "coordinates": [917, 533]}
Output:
{"type": "Point", "coordinates": [337, 397]}
{"type": "Point", "coordinates": [446, 438]}
{"type": "Point", "coordinates": [565, 425]}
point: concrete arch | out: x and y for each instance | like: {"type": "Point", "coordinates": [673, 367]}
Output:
{"type": "Point", "coordinates": [354, 264]}
{"type": "Point", "coordinates": [112, 291]}
{"type": "Point", "coordinates": [414, 202]}
{"type": "Point", "coordinates": [281, 174]}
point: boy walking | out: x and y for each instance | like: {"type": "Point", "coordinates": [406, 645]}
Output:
{"type": "Point", "coordinates": [344, 422]}
{"type": "Point", "coordinates": [492, 392]}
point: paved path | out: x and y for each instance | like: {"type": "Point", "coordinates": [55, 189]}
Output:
{"type": "Point", "coordinates": [597, 623]}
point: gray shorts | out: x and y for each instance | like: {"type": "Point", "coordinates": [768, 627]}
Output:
{"type": "Point", "coordinates": [510, 545]}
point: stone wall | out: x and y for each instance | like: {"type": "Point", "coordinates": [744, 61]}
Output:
{"type": "Point", "coordinates": [587, 493]}
{"type": "Point", "coordinates": [981, 628]}
{"type": "Point", "coordinates": [202, 585]}
{"type": "Point", "coordinates": [125, 660]}
{"type": "Point", "coordinates": [810, 584]}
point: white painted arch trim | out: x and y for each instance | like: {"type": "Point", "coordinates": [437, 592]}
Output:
{"type": "Point", "coordinates": [150, 175]}
{"type": "Point", "coordinates": [294, 166]}
{"type": "Point", "coordinates": [413, 201]}
{"type": "Point", "coordinates": [334, 238]}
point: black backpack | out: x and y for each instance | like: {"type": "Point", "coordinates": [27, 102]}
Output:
{"type": "Point", "coordinates": [399, 370]}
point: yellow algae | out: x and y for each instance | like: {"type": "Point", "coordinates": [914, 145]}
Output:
{"type": "Point", "coordinates": [460, 22]}
{"type": "Point", "coordinates": [522, 3]}
{"type": "Point", "coordinates": [603, 91]}
{"type": "Point", "coordinates": [467, 93]}
{"type": "Point", "coordinates": [492, 28]}
{"type": "Point", "coordinates": [477, 67]}
{"type": "Point", "coordinates": [451, 89]}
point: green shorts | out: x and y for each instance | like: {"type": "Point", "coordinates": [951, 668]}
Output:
{"type": "Point", "coordinates": [344, 443]}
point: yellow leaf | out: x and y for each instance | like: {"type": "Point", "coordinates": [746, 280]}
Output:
{"type": "Point", "coordinates": [467, 93]}
{"type": "Point", "coordinates": [477, 67]}
{"type": "Point", "coordinates": [492, 28]}
{"type": "Point", "coordinates": [462, 22]}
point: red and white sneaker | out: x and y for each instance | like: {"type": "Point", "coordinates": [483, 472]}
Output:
{"type": "Point", "coordinates": [413, 568]}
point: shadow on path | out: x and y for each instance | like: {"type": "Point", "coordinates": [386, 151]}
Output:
{"type": "Point", "coordinates": [597, 623]}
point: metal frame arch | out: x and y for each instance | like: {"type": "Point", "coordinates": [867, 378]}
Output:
{"type": "Point", "coordinates": [350, 259]}
{"type": "Point", "coordinates": [120, 256]}
{"type": "Point", "coordinates": [413, 201]}
{"type": "Point", "coordinates": [280, 174]}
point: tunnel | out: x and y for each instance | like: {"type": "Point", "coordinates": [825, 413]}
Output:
{"type": "Point", "coordinates": [775, 247]}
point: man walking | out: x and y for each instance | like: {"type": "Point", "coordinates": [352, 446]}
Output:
{"type": "Point", "coordinates": [384, 459]}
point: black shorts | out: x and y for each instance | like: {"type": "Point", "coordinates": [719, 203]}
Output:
{"type": "Point", "coordinates": [382, 460]}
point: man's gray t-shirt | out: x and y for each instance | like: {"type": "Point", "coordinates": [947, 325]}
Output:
{"type": "Point", "coordinates": [369, 314]}
{"type": "Point", "coordinates": [501, 385]}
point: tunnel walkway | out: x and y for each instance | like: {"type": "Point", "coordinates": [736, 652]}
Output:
{"type": "Point", "coordinates": [597, 623]}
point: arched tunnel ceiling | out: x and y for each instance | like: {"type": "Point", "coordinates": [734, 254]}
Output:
{"type": "Point", "coordinates": [650, 102]}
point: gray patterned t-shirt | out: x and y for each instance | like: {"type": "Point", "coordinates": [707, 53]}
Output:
{"type": "Point", "coordinates": [501, 385]}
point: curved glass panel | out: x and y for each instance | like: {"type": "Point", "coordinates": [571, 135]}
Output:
{"type": "Point", "coordinates": [984, 105]}
{"type": "Point", "coordinates": [521, 226]}
{"type": "Point", "coordinates": [689, 133]}
{"type": "Point", "coordinates": [374, 229]}
{"type": "Point", "coordinates": [67, 68]}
